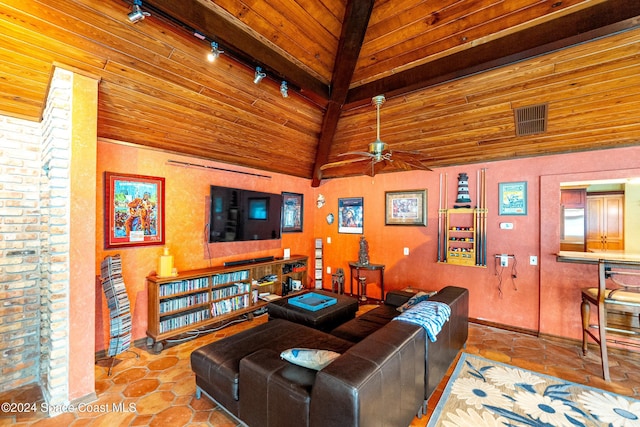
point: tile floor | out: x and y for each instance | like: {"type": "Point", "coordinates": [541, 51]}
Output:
{"type": "Point", "coordinates": [159, 388]}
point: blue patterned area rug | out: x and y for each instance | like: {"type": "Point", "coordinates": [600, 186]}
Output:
{"type": "Point", "coordinates": [482, 392]}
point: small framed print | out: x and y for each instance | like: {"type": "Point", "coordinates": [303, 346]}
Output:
{"type": "Point", "coordinates": [134, 210]}
{"type": "Point", "coordinates": [351, 215]}
{"type": "Point", "coordinates": [513, 198]}
{"type": "Point", "coordinates": [292, 209]}
{"type": "Point", "coordinates": [406, 207]}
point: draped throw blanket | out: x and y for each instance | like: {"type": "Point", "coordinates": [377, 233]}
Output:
{"type": "Point", "coordinates": [431, 315]}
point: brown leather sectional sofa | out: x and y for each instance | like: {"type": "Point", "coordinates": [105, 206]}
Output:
{"type": "Point", "coordinates": [383, 377]}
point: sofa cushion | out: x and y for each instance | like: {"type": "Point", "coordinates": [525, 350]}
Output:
{"type": "Point", "coordinates": [362, 326]}
{"type": "Point", "coordinates": [311, 358]}
{"type": "Point", "coordinates": [397, 298]}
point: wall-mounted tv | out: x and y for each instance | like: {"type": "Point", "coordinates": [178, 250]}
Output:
{"type": "Point", "coordinates": [239, 215]}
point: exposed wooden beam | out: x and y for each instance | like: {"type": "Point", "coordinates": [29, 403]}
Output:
{"type": "Point", "coordinates": [599, 20]}
{"type": "Point", "coordinates": [354, 27]}
{"type": "Point", "coordinates": [240, 44]}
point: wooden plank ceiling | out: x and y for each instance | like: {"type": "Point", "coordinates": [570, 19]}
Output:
{"type": "Point", "coordinates": [452, 71]}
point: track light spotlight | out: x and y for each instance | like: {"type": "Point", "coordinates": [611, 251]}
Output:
{"type": "Point", "coordinates": [284, 90]}
{"type": "Point", "coordinates": [259, 75]}
{"type": "Point", "coordinates": [215, 52]}
{"type": "Point", "coordinates": [137, 14]}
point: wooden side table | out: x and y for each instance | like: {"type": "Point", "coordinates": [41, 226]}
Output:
{"type": "Point", "coordinates": [379, 268]}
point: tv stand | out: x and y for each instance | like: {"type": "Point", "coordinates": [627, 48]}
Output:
{"type": "Point", "coordinates": [199, 298]}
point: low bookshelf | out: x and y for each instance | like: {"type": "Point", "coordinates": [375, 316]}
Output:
{"type": "Point", "coordinates": [195, 299]}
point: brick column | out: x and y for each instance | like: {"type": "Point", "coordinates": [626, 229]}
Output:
{"type": "Point", "coordinates": [55, 196]}
{"type": "Point", "coordinates": [19, 249]}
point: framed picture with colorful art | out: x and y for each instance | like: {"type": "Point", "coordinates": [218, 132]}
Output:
{"type": "Point", "coordinates": [513, 198]}
{"type": "Point", "coordinates": [351, 215]}
{"type": "Point", "coordinates": [406, 207]}
{"type": "Point", "coordinates": [292, 212]}
{"type": "Point", "coordinates": [133, 210]}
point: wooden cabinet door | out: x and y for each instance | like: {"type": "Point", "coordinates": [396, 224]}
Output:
{"type": "Point", "coordinates": [613, 223]}
{"type": "Point", "coordinates": [595, 232]}
{"type": "Point", "coordinates": [605, 225]}
{"type": "Point", "coordinates": [573, 198]}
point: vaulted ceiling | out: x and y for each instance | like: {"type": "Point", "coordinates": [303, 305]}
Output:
{"type": "Point", "coordinates": [452, 72]}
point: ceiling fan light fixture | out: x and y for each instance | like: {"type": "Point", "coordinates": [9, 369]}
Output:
{"type": "Point", "coordinates": [377, 146]}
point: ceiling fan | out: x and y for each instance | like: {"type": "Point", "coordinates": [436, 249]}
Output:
{"type": "Point", "coordinates": [379, 155]}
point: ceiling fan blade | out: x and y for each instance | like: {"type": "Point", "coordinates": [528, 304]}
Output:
{"type": "Point", "coordinates": [343, 163]}
{"type": "Point", "coordinates": [357, 153]}
{"type": "Point", "coordinates": [377, 167]}
{"type": "Point", "coordinates": [409, 164]}
{"type": "Point", "coordinates": [371, 168]}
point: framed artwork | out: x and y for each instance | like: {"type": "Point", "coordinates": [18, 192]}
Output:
{"type": "Point", "coordinates": [134, 210]}
{"type": "Point", "coordinates": [406, 207]}
{"type": "Point", "coordinates": [292, 209]}
{"type": "Point", "coordinates": [513, 198]}
{"type": "Point", "coordinates": [351, 215]}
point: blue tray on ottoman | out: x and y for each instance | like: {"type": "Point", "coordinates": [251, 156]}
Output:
{"type": "Point", "coordinates": [312, 301]}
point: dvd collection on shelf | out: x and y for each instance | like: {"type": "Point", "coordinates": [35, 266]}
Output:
{"type": "Point", "coordinates": [174, 304]}
{"type": "Point", "coordinates": [118, 303]}
{"type": "Point", "coordinates": [234, 276]}
{"type": "Point", "coordinates": [195, 299]}
{"type": "Point", "coordinates": [232, 289]}
{"type": "Point", "coordinates": [228, 305]}
{"type": "Point", "coordinates": [183, 286]}
{"type": "Point", "coordinates": [176, 322]}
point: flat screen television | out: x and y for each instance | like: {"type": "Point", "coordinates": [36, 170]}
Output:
{"type": "Point", "coordinates": [240, 215]}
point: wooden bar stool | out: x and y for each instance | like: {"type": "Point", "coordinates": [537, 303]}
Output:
{"type": "Point", "coordinates": [618, 308]}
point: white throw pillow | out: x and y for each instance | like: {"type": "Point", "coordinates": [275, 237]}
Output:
{"type": "Point", "coordinates": [309, 357]}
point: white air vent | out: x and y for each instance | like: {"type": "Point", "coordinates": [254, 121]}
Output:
{"type": "Point", "coordinates": [531, 120]}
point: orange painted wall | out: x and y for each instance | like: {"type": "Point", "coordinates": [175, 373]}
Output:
{"type": "Point", "coordinates": [543, 297]}
{"type": "Point", "coordinates": [186, 193]}
{"type": "Point", "coordinates": [82, 236]}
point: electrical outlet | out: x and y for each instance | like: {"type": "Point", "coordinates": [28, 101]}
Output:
{"type": "Point", "coordinates": [504, 261]}
{"type": "Point", "coordinates": [406, 251]}
{"type": "Point", "coordinates": [533, 260]}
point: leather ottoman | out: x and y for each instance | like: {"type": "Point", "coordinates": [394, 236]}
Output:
{"type": "Point", "coordinates": [217, 365]}
{"type": "Point", "coordinates": [324, 319]}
